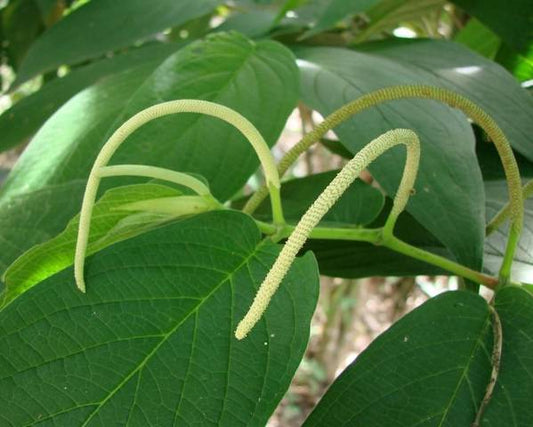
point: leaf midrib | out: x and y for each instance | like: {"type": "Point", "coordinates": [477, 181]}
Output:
{"type": "Point", "coordinates": [466, 369]}
{"type": "Point", "coordinates": [165, 337]}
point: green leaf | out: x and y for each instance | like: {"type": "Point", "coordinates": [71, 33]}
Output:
{"type": "Point", "coordinates": [33, 217]}
{"type": "Point", "coordinates": [522, 269]}
{"type": "Point", "coordinates": [110, 223]}
{"type": "Point", "coordinates": [259, 80]}
{"type": "Point", "coordinates": [475, 77]}
{"type": "Point", "coordinates": [511, 401]}
{"type": "Point", "coordinates": [357, 207]}
{"type": "Point", "coordinates": [21, 121]}
{"type": "Point", "coordinates": [429, 368]}
{"type": "Point", "coordinates": [151, 343]}
{"type": "Point", "coordinates": [111, 24]}
{"type": "Point", "coordinates": [325, 14]}
{"type": "Point", "coordinates": [511, 21]}
{"type": "Point", "coordinates": [479, 38]}
{"type": "Point", "coordinates": [449, 200]}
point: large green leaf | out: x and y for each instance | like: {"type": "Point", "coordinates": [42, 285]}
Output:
{"type": "Point", "coordinates": [21, 121]}
{"type": "Point", "coordinates": [477, 78]}
{"type": "Point", "coordinates": [430, 368]}
{"type": "Point", "coordinates": [357, 207]}
{"type": "Point", "coordinates": [495, 244]}
{"type": "Point", "coordinates": [449, 199]}
{"type": "Point", "coordinates": [511, 402]}
{"type": "Point", "coordinates": [151, 343]}
{"type": "Point", "coordinates": [109, 224]}
{"type": "Point", "coordinates": [511, 21]}
{"type": "Point", "coordinates": [259, 80]}
{"type": "Point", "coordinates": [105, 25]}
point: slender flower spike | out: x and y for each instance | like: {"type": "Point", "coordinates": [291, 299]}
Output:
{"type": "Point", "coordinates": [323, 204]}
{"type": "Point", "coordinates": [100, 168]}
{"type": "Point", "coordinates": [455, 100]}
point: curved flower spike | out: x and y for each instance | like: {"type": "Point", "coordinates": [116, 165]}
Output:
{"type": "Point", "coordinates": [323, 204]}
{"type": "Point", "coordinates": [100, 170]}
{"type": "Point", "coordinates": [446, 96]}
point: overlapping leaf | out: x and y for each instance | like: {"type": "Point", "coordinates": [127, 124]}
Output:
{"type": "Point", "coordinates": [21, 121]}
{"type": "Point", "coordinates": [431, 367]}
{"type": "Point", "coordinates": [152, 340]}
{"type": "Point", "coordinates": [106, 25]}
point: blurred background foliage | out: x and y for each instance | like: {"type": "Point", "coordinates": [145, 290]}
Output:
{"type": "Point", "coordinates": [50, 50]}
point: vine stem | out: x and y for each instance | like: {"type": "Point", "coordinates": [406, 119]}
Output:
{"type": "Point", "coordinates": [445, 96]}
{"type": "Point", "coordinates": [100, 169]}
{"type": "Point", "coordinates": [324, 202]}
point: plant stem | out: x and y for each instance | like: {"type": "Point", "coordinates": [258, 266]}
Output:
{"type": "Point", "coordinates": [400, 246]}
{"type": "Point", "coordinates": [376, 236]}
{"type": "Point", "coordinates": [179, 178]}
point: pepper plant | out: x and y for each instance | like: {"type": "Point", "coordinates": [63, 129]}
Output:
{"type": "Point", "coordinates": [146, 283]}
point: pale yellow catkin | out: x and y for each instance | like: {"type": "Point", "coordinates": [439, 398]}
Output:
{"type": "Point", "coordinates": [99, 168]}
{"type": "Point", "coordinates": [321, 206]}
{"type": "Point", "coordinates": [453, 99]}
{"type": "Point", "coordinates": [372, 99]}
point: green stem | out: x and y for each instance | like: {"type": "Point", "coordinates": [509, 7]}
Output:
{"type": "Point", "coordinates": [405, 248]}
{"type": "Point", "coordinates": [179, 178]}
{"type": "Point", "coordinates": [377, 237]}
{"type": "Point", "coordinates": [277, 210]}
{"type": "Point", "coordinates": [371, 235]}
